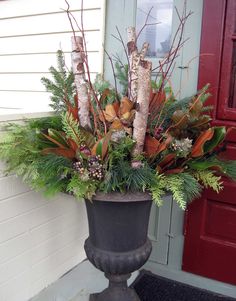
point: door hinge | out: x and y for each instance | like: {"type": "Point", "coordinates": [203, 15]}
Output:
{"type": "Point", "coordinates": [183, 67]}
{"type": "Point", "coordinates": [170, 235]}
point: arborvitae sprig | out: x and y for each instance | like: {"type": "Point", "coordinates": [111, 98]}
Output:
{"type": "Point", "coordinates": [209, 179]}
{"type": "Point", "coordinates": [183, 186]}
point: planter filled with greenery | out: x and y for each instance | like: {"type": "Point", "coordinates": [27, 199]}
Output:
{"type": "Point", "coordinates": [119, 151]}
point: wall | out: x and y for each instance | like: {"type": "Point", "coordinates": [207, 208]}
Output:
{"type": "Point", "coordinates": [31, 31]}
{"type": "Point", "coordinates": [40, 239]}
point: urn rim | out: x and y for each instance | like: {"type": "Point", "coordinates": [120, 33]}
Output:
{"type": "Point", "coordinates": [122, 197]}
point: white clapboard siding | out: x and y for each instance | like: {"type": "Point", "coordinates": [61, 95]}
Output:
{"type": "Point", "coordinates": [11, 186]}
{"type": "Point", "coordinates": [31, 31]}
{"type": "Point", "coordinates": [23, 102]}
{"type": "Point", "coordinates": [45, 43]}
{"type": "Point", "coordinates": [14, 8]}
{"type": "Point", "coordinates": [40, 24]}
{"type": "Point", "coordinates": [39, 63]}
{"type": "Point", "coordinates": [36, 237]}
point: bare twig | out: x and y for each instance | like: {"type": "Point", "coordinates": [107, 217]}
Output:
{"type": "Point", "coordinates": [113, 69]}
{"type": "Point", "coordinates": [123, 44]}
{"type": "Point", "coordinates": [146, 24]}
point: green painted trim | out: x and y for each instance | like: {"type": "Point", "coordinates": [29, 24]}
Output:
{"type": "Point", "coordinates": [159, 226]}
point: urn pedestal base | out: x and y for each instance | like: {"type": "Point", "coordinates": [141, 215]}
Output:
{"type": "Point", "coordinates": [117, 267]}
{"type": "Point", "coordinates": [117, 290]}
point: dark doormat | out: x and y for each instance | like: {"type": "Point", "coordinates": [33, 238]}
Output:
{"type": "Point", "coordinates": [151, 287]}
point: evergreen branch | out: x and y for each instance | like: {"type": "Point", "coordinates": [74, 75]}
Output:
{"type": "Point", "coordinates": [61, 87]}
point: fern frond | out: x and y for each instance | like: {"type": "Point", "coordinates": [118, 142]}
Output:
{"type": "Point", "coordinates": [71, 128]}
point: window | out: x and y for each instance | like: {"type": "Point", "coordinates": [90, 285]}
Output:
{"type": "Point", "coordinates": [158, 35]}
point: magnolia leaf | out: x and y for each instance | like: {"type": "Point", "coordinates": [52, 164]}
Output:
{"type": "Point", "coordinates": [110, 113]}
{"type": "Point", "coordinates": [53, 140]}
{"type": "Point", "coordinates": [88, 137]}
{"type": "Point", "coordinates": [126, 116]}
{"type": "Point", "coordinates": [218, 137]}
{"type": "Point", "coordinates": [101, 146]}
{"type": "Point", "coordinates": [126, 105]}
{"type": "Point", "coordinates": [128, 130]}
{"type": "Point", "coordinates": [202, 165]}
{"type": "Point", "coordinates": [156, 99]}
{"type": "Point", "coordinates": [164, 145]}
{"type": "Point", "coordinates": [174, 171]}
{"type": "Point", "coordinates": [151, 145]}
{"type": "Point", "coordinates": [58, 136]}
{"type": "Point", "coordinates": [198, 147]}
{"type": "Point", "coordinates": [106, 93]}
{"type": "Point", "coordinates": [116, 125]}
{"type": "Point", "coordinates": [167, 160]}
{"type": "Point", "coordinates": [72, 144]}
{"type": "Point", "coordinates": [73, 111]}
{"type": "Point", "coordinates": [116, 106]}
{"type": "Point", "coordinates": [64, 152]}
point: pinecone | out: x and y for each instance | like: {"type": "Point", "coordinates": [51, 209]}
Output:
{"type": "Point", "coordinates": [95, 168]}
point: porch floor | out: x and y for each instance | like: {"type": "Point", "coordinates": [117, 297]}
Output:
{"type": "Point", "coordinates": [76, 285]}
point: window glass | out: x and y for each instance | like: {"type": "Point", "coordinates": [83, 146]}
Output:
{"type": "Point", "coordinates": [158, 35]}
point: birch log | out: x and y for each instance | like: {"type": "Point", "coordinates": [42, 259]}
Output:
{"type": "Point", "coordinates": [133, 63]}
{"type": "Point", "coordinates": [143, 96]}
{"type": "Point", "coordinates": [77, 57]}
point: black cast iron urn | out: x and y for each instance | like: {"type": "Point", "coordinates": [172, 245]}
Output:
{"type": "Point", "coordinates": [118, 243]}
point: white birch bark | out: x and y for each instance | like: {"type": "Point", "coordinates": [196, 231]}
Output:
{"type": "Point", "coordinates": [144, 50]}
{"type": "Point", "coordinates": [77, 57]}
{"type": "Point", "coordinates": [143, 97]}
{"type": "Point", "coordinates": [133, 63]}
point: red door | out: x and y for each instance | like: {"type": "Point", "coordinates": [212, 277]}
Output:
{"type": "Point", "coordinates": [210, 228]}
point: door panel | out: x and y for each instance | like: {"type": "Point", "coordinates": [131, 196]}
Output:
{"type": "Point", "coordinates": [210, 228]}
{"type": "Point", "coordinates": [227, 98]}
{"type": "Point", "coordinates": [211, 223]}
